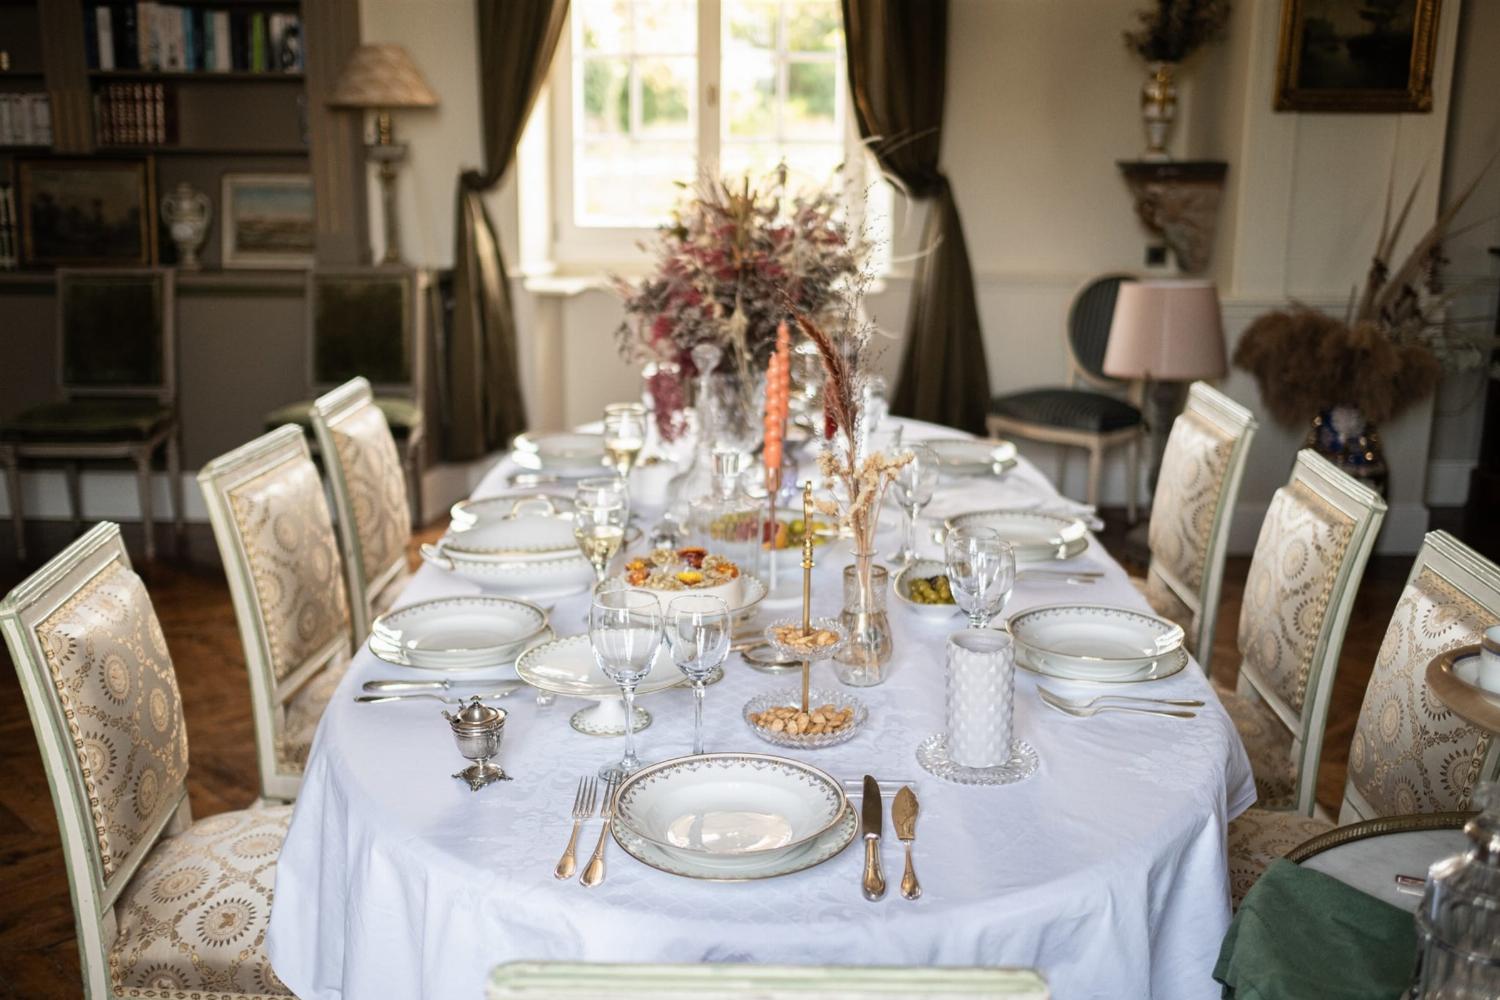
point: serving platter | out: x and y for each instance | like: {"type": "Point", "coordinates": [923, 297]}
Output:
{"type": "Point", "coordinates": [1099, 641]}
{"type": "Point", "coordinates": [567, 667]}
{"type": "Point", "coordinates": [823, 848]}
{"type": "Point", "coordinates": [752, 592]}
{"type": "Point", "coordinates": [1035, 536]}
{"type": "Point", "coordinates": [536, 578]}
{"type": "Point", "coordinates": [564, 453]}
{"type": "Point", "coordinates": [971, 457]}
{"type": "Point", "coordinates": [457, 633]}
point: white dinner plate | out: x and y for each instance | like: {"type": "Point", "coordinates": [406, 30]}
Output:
{"type": "Point", "coordinates": [969, 457]}
{"type": "Point", "coordinates": [730, 807]}
{"type": "Point", "coordinates": [564, 453]}
{"type": "Point", "coordinates": [455, 633]}
{"type": "Point", "coordinates": [1100, 641]}
{"type": "Point", "coordinates": [567, 667]}
{"type": "Point", "coordinates": [1035, 536]}
{"type": "Point", "coordinates": [1162, 667]}
{"type": "Point", "coordinates": [822, 848]}
{"type": "Point", "coordinates": [901, 586]}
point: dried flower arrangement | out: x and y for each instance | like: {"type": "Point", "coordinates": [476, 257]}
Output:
{"type": "Point", "coordinates": [738, 257]}
{"type": "Point", "coordinates": [1171, 30]}
{"type": "Point", "coordinates": [1392, 346]}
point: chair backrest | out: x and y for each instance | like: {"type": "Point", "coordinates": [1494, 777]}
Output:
{"type": "Point", "coordinates": [116, 332]}
{"type": "Point", "coordinates": [709, 981]}
{"type": "Point", "coordinates": [1089, 319]}
{"type": "Point", "coordinates": [1190, 514]}
{"type": "Point", "coordinates": [369, 492]}
{"type": "Point", "coordinates": [1410, 754]}
{"type": "Point", "coordinates": [103, 698]}
{"type": "Point", "coordinates": [1313, 546]}
{"type": "Point", "coordinates": [367, 322]}
{"type": "Point", "coordinates": [275, 536]}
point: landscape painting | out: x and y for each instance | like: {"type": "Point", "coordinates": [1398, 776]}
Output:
{"type": "Point", "coordinates": [268, 220]}
{"type": "Point", "coordinates": [1356, 55]}
{"type": "Point", "coordinates": [85, 212]}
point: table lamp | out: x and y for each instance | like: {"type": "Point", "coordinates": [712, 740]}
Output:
{"type": "Point", "coordinates": [382, 77]}
{"type": "Point", "coordinates": [1166, 333]}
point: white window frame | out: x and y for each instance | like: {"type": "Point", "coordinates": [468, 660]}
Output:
{"type": "Point", "coordinates": [577, 248]}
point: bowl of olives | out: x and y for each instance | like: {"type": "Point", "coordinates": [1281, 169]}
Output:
{"type": "Point", "coordinates": [923, 587]}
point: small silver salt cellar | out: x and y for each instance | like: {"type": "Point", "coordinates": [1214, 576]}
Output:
{"type": "Point", "coordinates": [477, 729]}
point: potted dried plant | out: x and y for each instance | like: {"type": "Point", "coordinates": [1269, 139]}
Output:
{"type": "Point", "coordinates": [1166, 33]}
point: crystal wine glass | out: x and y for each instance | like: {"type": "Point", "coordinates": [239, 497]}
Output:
{"type": "Point", "coordinates": [981, 572]}
{"type": "Point", "coordinates": [625, 631]}
{"type": "Point", "coordinates": [698, 630]}
{"type": "Point", "coordinates": [599, 519]}
{"type": "Point", "coordinates": [913, 487]}
{"type": "Point", "coordinates": [624, 437]}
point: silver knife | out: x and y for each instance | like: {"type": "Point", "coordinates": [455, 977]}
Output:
{"type": "Point", "coordinates": [375, 699]}
{"type": "Point", "coordinates": [904, 817]}
{"type": "Point", "coordinates": [390, 687]}
{"type": "Point", "coordinates": [872, 809]}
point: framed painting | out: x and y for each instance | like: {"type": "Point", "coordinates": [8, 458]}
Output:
{"type": "Point", "coordinates": [267, 220]}
{"type": "Point", "coordinates": [1356, 55]}
{"type": "Point", "coordinates": [86, 212]}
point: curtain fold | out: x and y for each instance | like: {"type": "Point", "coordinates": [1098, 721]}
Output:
{"type": "Point", "coordinates": [485, 408]}
{"type": "Point", "coordinates": [898, 62]}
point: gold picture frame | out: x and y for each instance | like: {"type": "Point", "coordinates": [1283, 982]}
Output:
{"type": "Point", "coordinates": [77, 212]}
{"type": "Point", "coordinates": [1354, 55]}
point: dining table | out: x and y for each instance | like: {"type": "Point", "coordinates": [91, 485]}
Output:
{"type": "Point", "coordinates": [1105, 869]}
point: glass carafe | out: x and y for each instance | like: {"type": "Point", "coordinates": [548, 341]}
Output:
{"type": "Point", "coordinates": [1458, 923]}
{"type": "Point", "coordinates": [727, 521]}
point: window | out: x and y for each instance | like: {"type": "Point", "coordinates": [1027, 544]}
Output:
{"type": "Point", "coordinates": [646, 93]}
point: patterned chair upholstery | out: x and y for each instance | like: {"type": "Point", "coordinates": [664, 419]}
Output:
{"type": "Point", "coordinates": [165, 907]}
{"type": "Point", "coordinates": [369, 492]}
{"type": "Point", "coordinates": [1190, 514]}
{"type": "Point", "coordinates": [275, 535]}
{"type": "Point", "coordinates": [1409, 754]}
{"type": "Point", "coordinates": [1311, 554]}
{"type": "Point", "coordinates": [1094, 416]}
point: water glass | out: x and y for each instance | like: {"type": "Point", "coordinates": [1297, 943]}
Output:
{"type": "Point", "coordinates": [698, 632]}
{"type": "Point", "coordinates": [625, 631]}
{"type": "Point", "coordinates": [981, 697]}
{"type": "Point", "coordinates": [981, 572]}
{"type": "Point", "coordinates": [913, 487]}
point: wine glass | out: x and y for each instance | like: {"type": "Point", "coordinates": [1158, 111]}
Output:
{"type": "Point", "coordinates": [698, 631]}
{"type": "Point", "coordinates": [625, 631]}
{"type": "Point", "coordinates": [913, 488]}
{"type": "Point", "coordinates": [599, 518]}
{"type": "Point", "coordinates": [624, 437]}
{"type": "Point", "coordinates": [981, 572]}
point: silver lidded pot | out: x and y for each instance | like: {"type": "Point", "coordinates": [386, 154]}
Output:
{"type": "Point", "coordinates": [478, 729]}
{"type": "Point", "coordinates": [1458, 922]}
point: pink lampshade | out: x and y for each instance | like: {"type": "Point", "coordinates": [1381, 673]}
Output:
{"type": "Point", "coordinates": [1169, 330]}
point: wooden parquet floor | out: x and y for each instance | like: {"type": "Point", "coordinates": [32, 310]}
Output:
{"type": "Point", "coordinates": [38, 955]}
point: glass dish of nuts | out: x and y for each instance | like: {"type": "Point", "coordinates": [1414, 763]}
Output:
{"type": "Point", "coordinates": [777, 717]}
{"type": "Point", "coordinates": [820, 641]}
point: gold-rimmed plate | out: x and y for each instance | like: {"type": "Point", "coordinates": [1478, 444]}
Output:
{"type": "Point", "coordinates": [823, 848]}
{"type": "Point", "coordinates": [1453, 677]}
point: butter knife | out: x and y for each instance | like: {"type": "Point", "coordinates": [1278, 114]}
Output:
{"type": "Point", "coordinates": [375, 699]}
{"type": "Point", "coordinates": [391, 687]}
{"type": "Point", "coordinates": [872, 810]}
{"type": "Point", "coordinates": [904, 817]}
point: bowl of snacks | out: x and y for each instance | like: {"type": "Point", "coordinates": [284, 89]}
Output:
{"type": "Point", "coordinates": [922, 586]}
{"type": "Point", "coordinates": [822, 638]}
{"type": "Point", "coordinates": [790, 531]}
{"type": "Point", "coordinates": [668, 573]}
{"type": "Point", "coordinates": [833, 717]}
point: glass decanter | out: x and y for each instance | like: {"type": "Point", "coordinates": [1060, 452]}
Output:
{"type": "Point", "coordinates": [727, 521]}
{"type": "Point", "coordinates": [696, 478]}
{"type": "Point", "coordinates": [1458, 922]}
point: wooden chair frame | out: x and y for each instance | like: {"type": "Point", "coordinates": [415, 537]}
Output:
{"type": "Point", "coordinates": [1095, 443]}
{"type": "Point", "coordinates": [268, 696]}
{"type": "Point", "coordinates": [139, 452]}
{"type": "Point", "coordinates": [1365, 508]}
{"type": "Point", "coordinates": [93, 895]}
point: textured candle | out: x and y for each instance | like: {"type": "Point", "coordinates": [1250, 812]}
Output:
{"type": "Point", "coordinates": [981, 689]}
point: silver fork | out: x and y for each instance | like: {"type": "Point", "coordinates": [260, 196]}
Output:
{"type": "Point", "coordinates": [593, 872]}
{"type": "Point", "coordinates": [1093, 710]}
{"type": "Point", "coordinates": [583, 808]}
{"type": "Point", "coordinates": [1091, 702]}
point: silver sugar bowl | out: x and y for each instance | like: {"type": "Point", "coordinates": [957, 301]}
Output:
{"type": "Point", "coordinates": [477, 729]}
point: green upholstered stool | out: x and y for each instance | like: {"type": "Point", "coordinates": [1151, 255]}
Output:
{"type": "Point", "coordinates": [402, 415]}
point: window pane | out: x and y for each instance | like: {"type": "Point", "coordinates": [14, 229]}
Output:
{"type": "Point", "coordinates": [606, 96]}
{"type": "Point", "coordinates": [750, 23]}
{"type": "Point", "coordinates": [749, 81]}
{"type": "Point", "coordinates": [813, 26]}
{"type": "Point", "coordinates": [810, 166]}
{"type": "Point", "coordinates": [602, 25]}
{"type": "Point", "coordinates": [618, 182]}
{"type": "Point", "coordinates": [668, 88]}
{"type": "Point", "coordinates": [811, 100]}
{"type": "Point", "coordinates": [666, 26]}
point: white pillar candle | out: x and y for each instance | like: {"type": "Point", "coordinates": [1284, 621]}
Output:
{"type": "Point", "coordinates": [981, 689]}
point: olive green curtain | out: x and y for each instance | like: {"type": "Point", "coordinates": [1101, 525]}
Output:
{"type": "Point", "coordinates": [484, 408]}
{"type": "Point", "coordinates": [898, 62]}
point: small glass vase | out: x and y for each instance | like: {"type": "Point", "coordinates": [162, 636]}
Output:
{"type": "Point", "coordinates": [862, 661]}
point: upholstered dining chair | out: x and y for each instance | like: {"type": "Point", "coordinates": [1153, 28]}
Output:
{"type": "Point", "coordinates": [1100, 414]}
{"type": "Point", "coordinates": [1190, 513]}
{"type": "Point", "coordinates": [1313, 546]}
{"type": "Point", "coordinates": [1409, 753]}
{"type": "Point", "coordinates": [164, 906]}
{"type": "Point", "coordinates": [369, 493]}
{"type": "Point", "coordinates": [117, 390]}
{"type": "Point", "coordinates": [371, 322]}
{"type": "Point", "coordinates": [286, 581]}
{"type": "Point", "coordinates": [584, 981]}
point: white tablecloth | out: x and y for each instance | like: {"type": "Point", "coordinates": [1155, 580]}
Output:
{"type": "Point", "coordinates": [1105, 870]}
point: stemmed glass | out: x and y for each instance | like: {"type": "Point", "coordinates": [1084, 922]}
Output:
{"type": "Point", "coordinates": [625, 631]}
{"type": "Point", "coordinates": [601, 509]}
{"type": "Point", "coordinates": [624, 436]}
{"type": "Point", "coordinates": [913, 487]}
{"type": "Point", "coordinates": [698, 631]}
{"type": "Point", "coordinates": [981, 572]}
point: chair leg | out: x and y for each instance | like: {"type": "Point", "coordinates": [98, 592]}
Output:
{"type": "Point", "coordinates": [75, 497]}
{"type": "Point", "coordinates": [1133, 478]}
{"type": "Point", "coordinates": [13, 488]}
{"type": "Point", "coordinates": [1062, 467]}
{"type": "Point", "coordinates": [143, 487]}
{"type": "Point", "coordinates": [1096, 472]}
{"type": "Point", "coordinates": [174, 485]}
{"type": "Point", "coordinates": [414, 481]}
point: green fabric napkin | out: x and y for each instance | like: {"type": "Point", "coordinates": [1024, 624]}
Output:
{"type": "Point", "coordinates": [1301, 934]}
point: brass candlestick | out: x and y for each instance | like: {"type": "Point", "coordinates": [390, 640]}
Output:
{"type": "Point", "coordinates": [807, 568]}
